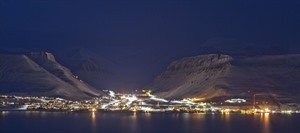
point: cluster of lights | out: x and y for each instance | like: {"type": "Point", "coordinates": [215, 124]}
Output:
{"type": "Point", "coordinates": [145, 102]}
{"type": "Point", "coordinates": [238, 100]}
{"type": "Point", "coordinates": [148, 103]}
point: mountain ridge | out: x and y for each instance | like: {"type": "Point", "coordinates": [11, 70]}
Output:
{"type": "Point", "coordinates": [216, 75]}
{"type": "Point", "coordinates": [38, 73]}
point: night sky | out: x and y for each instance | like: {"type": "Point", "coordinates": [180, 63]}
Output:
{"type": "Point", "coordinates": [138, 32]}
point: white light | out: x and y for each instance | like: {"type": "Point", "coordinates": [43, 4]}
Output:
{"type": "Point", "coordinates": [131, 99]}
{"type": "Point", "coordinates": [110, 103]}
{"type": "Point", "coordinates": [111, 93]}
{"type": "Point", "coordinates": [238, 100]}
{"type": "Point", "coordinates": [267, 110]}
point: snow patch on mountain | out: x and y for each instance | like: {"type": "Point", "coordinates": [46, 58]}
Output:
{"type": "Point", "coordinates": [38, 73]}
{"type": "Point", "coordinates": [215, 75]}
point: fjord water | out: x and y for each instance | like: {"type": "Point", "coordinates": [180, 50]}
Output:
{"type": "Point", "coordinates": [106, 122]}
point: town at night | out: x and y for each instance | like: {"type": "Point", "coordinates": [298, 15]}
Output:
{"type": "Point", "coordinates": [149, 66]}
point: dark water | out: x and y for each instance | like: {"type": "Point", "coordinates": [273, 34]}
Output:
{"type": "Point", "coordinates": [98, 122]}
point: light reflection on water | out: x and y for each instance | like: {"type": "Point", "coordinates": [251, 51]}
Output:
{"type": "Point", "coordinates": [4, 113]}
{"type": "Point", "coordinates": [94, 122]}
{"type": "Point", "coordinates": [93, 118]}
{"type": "Point", "coordinates": [148, 115]}
{"type": "Point", "coordinates": [227, 124]}
{"type": "Point", "coordinates": [198, 116]}
{"type": "Point", "coordinates": [266, 123]}
{"type": "Point", "coordinates": [134, 125]}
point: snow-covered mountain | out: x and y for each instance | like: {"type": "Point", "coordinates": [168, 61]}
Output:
{"type": "Point", "coordinates": [91, 67]}
{"type": "Point", "coordinates": [216, 75]}
{"type": "Point", "coordinates": [38, 73]}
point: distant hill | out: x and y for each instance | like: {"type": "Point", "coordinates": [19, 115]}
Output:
{"type": "Point", "coordinates": [217, 75]}
{"type": "Point", "coordinates": [39, 74]}
{"type": "Point", "coordinates": [91, 67]}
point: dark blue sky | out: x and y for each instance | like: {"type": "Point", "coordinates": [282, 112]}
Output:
{"type": "Point", "coordinates": [119, 24]}
{"type": "Point", "coordinates": [146, 28]}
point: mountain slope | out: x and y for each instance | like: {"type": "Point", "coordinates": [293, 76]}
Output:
{"type": "Point", "coordinates": [38, 73]}
{"type": "Point", "coordinates": [209, 76]}
{"type": "Point", "coordinates": [92, 68]}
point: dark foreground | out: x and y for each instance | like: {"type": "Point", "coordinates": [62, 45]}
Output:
{"type": "Point", "coordinates": [105, 122]}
